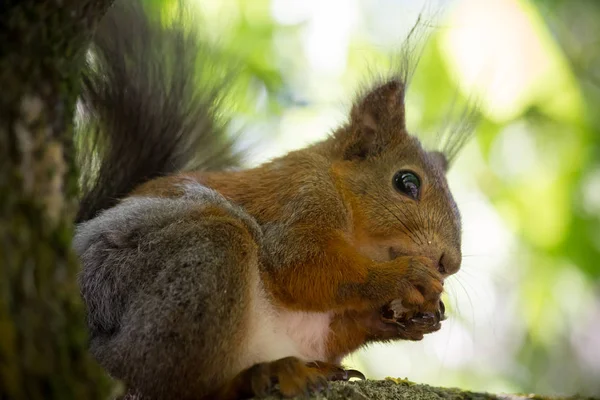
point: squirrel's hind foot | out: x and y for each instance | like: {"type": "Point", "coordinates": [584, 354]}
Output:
{"type": "Point", "coordinates": [293, 376]}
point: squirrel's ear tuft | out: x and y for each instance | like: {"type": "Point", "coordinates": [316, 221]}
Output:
{"type": "Point", "coordinates": [439, 159]}
{"type": "Point", "coordinates": [384, 105]}
{"type": "Point", "coordinates": [376, 119]}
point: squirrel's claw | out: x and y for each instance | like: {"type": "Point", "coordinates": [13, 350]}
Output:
{"type": "Point", "coordinates": [442, 311]}
{"type": "Point", "coordinates": [335, 373]}
{"type": "Point", "coordinates": [352, 373]}
{"type": "Point", "coordinates": [346, 375]}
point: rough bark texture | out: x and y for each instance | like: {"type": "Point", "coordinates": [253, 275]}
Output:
{"type": "Point", "coordinates": [42, 325]}
{"type": "Point", "coordinates": [398, 389]}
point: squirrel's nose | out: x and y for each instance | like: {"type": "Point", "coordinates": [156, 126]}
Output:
{"type": "Point", "coordinates": [448, 263]}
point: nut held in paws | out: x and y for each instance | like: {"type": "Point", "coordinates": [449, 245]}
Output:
{"type": "Point", "coordinates": [396, 313]}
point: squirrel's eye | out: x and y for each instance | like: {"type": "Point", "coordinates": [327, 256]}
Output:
{"type": "Point", "coordinates": [408, 183]}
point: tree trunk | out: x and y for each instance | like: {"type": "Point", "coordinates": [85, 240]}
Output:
{"type": "Point", "coordinates": [43, 343]}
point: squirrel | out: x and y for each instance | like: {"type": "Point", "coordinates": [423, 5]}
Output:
{"type": "Point", "coordinates": [205, 280]}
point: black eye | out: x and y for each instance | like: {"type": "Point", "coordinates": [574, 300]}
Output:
{"type": "Point", "coordinates": [408, 183]}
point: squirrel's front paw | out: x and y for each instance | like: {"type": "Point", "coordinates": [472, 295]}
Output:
{"type": "Point", "coordinates": [414, 281]}
{"type": "Point", "coordinates": [412, 325]}
{"type": "Point", "coordinates": [422, 285]}
{"type": "Point", "coordinates": [418, 309]}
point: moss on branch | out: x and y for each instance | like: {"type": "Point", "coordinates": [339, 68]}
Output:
{"type": "Point", "coordinates": [402, 389]}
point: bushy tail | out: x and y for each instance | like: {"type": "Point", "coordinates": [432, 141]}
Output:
{"type": "Point", "coordinates": [148, 104]}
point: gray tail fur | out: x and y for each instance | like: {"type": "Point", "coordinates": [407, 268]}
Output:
{"type": "Point", "coordinates": [150, 92]}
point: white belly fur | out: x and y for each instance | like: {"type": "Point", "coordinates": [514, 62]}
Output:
{"type": "Point", "coordinates": [276, 333]}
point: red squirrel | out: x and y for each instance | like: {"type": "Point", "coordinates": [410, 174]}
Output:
{"type": "Point", "coordinates": [205, 281]}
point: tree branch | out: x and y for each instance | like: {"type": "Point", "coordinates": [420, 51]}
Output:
{"type": "Point", "coordinates": [403, 389]}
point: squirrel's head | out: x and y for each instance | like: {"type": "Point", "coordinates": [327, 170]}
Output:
{"type": "Point", "coordinates": [397, 191]}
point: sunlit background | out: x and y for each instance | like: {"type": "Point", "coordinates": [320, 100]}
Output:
{"type": "Point", "coordinates": [525, 308]}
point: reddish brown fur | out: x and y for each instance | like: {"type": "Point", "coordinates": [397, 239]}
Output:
{"type": "Point", "coordinates": [352, 242]}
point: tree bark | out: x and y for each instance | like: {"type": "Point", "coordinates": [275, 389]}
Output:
{"type": "Point", "coordinates": [394, 389]}
{"type": "Point", "coordinates": [43, 342]}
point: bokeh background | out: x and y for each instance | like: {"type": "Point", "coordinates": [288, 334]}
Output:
{"type": "Point", "coordinates": [525, 308]}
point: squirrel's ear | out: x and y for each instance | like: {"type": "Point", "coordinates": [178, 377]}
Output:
{"type": "Point", "coordinates": [439, 159]}
{"type": "Point", "coordinates": [384, 105]}
{"type": "Point", "coordinates": [376, 120]}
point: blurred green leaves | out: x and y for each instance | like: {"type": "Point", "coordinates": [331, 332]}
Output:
{"type": "Point", "coordinates": [239, 36]}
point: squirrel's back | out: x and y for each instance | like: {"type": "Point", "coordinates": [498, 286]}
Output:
{"type": "Point", "coordinates": [148, 101]}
